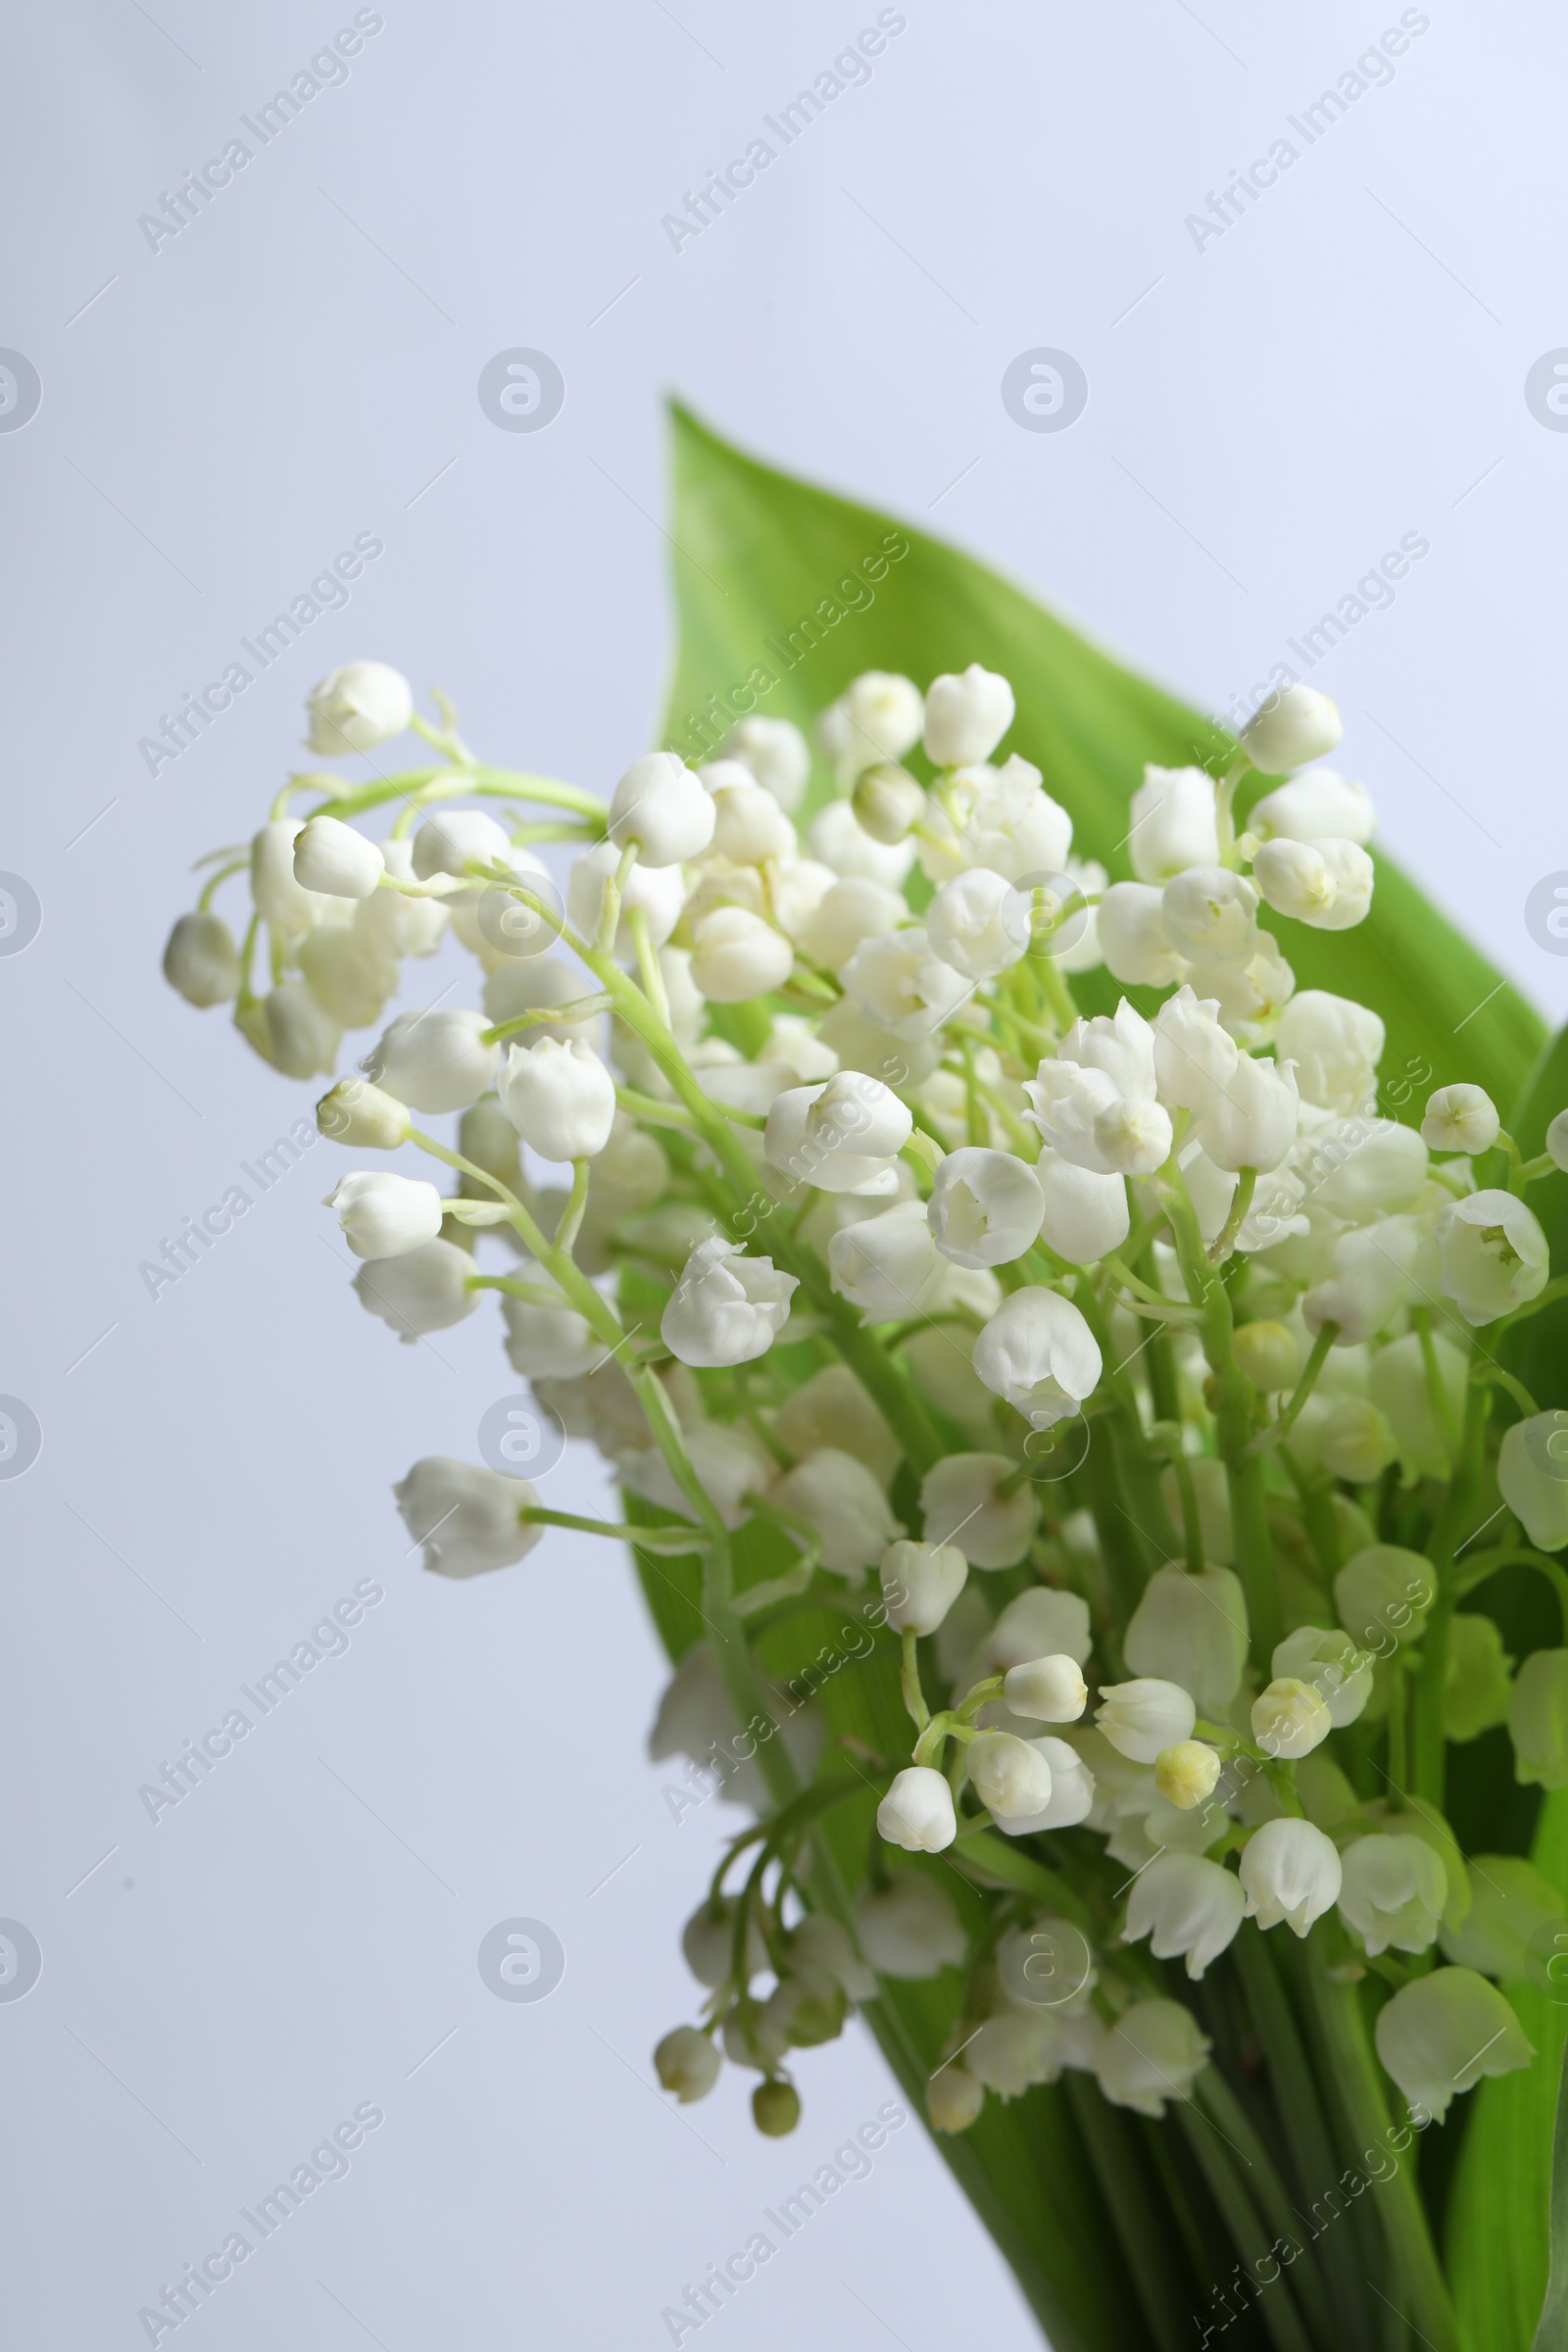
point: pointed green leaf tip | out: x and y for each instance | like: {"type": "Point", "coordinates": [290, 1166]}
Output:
{"type": "Point", "coordinates": [785, 592]}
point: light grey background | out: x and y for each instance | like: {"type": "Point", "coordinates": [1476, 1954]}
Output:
{"type": "Point", "coordinates": [1267, 415]}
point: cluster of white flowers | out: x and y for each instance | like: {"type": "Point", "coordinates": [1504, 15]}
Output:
{"type": "Point", "coordinates": [874, 1242]}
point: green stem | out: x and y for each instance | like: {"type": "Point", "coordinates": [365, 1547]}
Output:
{"type": "Point", "coordinates": [1327, 1334]}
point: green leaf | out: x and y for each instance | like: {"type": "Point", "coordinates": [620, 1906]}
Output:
{"type": "Point", "coordinates": [761, 555]}
{"type": "Point", "coordinates": [1500, 2215]}
{"type": "Point", "coordinates": [1552, 2332]}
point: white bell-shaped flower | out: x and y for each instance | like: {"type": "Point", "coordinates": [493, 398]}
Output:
{"type": "Point", "coordinates": [1494, 1255]}
{"type": "Point", "coordinates": [1155, 2051]}
{"type": "Point", "coordinates": [1073, 1790]}
{"type": "Point", "coordinates": [887, 1265]}
{"type": "Point", "coordinates": [1325, 884]}
{"type": "Point", "coordinates": [454, 839]}
{"type": "Point", "coordinates": [979, 923]}
{"type": "Point", "coordinates": [1188, 1907]}
{"type": "Point", "coordinates": [1444, 2033]}
{"type": "Point", "coordinates": [1195, 1057]}
{"type": "Point", "coordinates": [1250, 1120]}
{"type": "Point", "coordinates": [554, 1341]}
{"type": "Point", "coordinates": [1532, 1477]}
{"type": "Point", "coordinates": [382, 1215]}
{"type": "Point", "coordinates": [1335, 1045]}
{"type": "Point", "coordinates": [1038, 1353]}
{"type": "Point", "coordinates": [331, 857]}
{"type": "Point", "coordinates": [357, 1112]}
{"type": "Point", "coordinates": [1290, 1718]}
{"type": "Point", "coordinates": [1129, 927]}
{"type": "Point", "coordinates": [1537, 1720]}
{"type": "Point", "coordinates": [965, 717]}
{"type": "Point", "coordinates": [899, 980]}
{"type": "Point", "coordinates": [920, 1582]}
{"type": "Point", "coordinates": [1190, 1630]}
{"type": "Point", "coordinates": [958, 1496]}
{"type": "Point", "coordinates": [1392, 1893]}
{"type": "Point", "coordinates": [777, 754]}
{"type": "Point", "coordinates": [1085, 1214]}
{"type": "Point", "coordinates": [1141, 1717]}
{"type": "Point", "coordinates": [737, 956]}
{"type": "Point", "coordinates": [657, 893]}
{"type": "Point", "coordinates": [426, 1289]}
{"type": "Point", "coordinates": [726, 1308]}
{"type": "Point", "coordinates": [466, 1516]}
{"type": "Point", "coordinates": [355, 707]}
{"type": "Point", "coordinates": [1290, 1872]}
{"type": "Point", "coordinates": [909, 1929]}
{"type": "Point", "coordinates": [201, 959]}
{"type": "Point", "coordinates": [1047, 1689]}
{"type": "Point", "coordinates": [280, 901]}
{"type": "Point", "coordinates": [1338, 1669]}
{"type": "Point", "coordinates": [1461, 1118]}
{"type": "Point", "coordinates": [1210, 916]}
{"type": "Point", "coordinates": [1046, 1623]}
{"type": "Point", "coordinates": [840, 1498]}
{"type": "Point", "coordinates": [1384, 1593]}
{"type": "Point", "coordinates": [687, 2062]}
{"type": "Point", "coordinates": [840, 842]}
{"type": "Point", "coordinates": [1402, 1394]}
{"type": "Point", "coordinates": [559, 1097]}
{"type": "Point", "coordinates": [842, 1136]}
{"type": "Point", "coordinates": [1010, 1776]}
{"type": "Point", "coordinates": [435, 1061]}
{"type": "Point", "coordinates": [986, 1206]}
{"type": "Point", "coordinates": [917, 1812]}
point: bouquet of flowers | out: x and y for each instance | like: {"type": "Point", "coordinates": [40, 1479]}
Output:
{"type": "Point", "coordinates": [1086, 1452]}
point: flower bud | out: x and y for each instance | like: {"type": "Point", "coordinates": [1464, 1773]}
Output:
{"type": "Point", "coordinates": [1130, 926]}
{"type": "Point", "coordinates": [1537, 1720]}
{"type": "Point", "coordinates": [777, 754]}
{"type": "Point", "coordinates": [358, 1113]}
{"type": "Point", "coordinates": [1479, 1685]}
{"type": "Point", "coordinates": [887, 1265]}
{"type": "Point", "coordinates": [1290, 728]}
{"type": "Point", "coordinates": [1010, 1777]}
{"type": "Point", "coordinates": [201, 959]}
{"type": "Point", "coordinates": [294, 1030]}
{"type": "Point", "coordinates": [1327, 884]}
{"type": "Point", "coordinates": [841, 1136]}
{"type": "Point", "coordinates": [1392, 1893]}
{"type": "Point", "coordinates": [920, 1582]}
{"type": "Point", "coordinates": [707, 1943]}
{"type": "Point", "coordinates": [1269, 1354]}
{"type": "Point", "coordinates": [954, 2099]}
{"type": "Point", "coordinates": [1461, 1118]}
{"type": "Point", "coordinates": [838, 840]}
{"type": "Point", "coordinates": [1046, 1690]}
{"type": "Point", "coordinates": [839, 1498]}
{"type": "Point", "coordinates": [726, 1308]}
{"type": "Point", "coordinates": [1558, 1140]}
{"type": "Point", "coordinates": [1210, 916]}
{"type": "Point", "coordinates": [1312, 808]}
{"type": "Point", "coordinates": [421, 1289]}
{"type": "Point", "coordinates": [1354, 1442]}
{"type": "Point", "coordinates": [383, 1215]}
{"type": "Point", "coordinates": [454, 839]}
{"type": "Point", "coordinates": [656, 892]}
{"type": "Point", "coordinates": [1085, 1213]}
{"type": "Point", "coordinates": [1442, 2032]}
{"type": "Point", "coordinates": [887, 801]}
{"type": "Point", "coordinates": [1141, 1717]}
{"type": "Point", "coordinates": [961, 1492]}
{"type": "Point", "coordinates": [966, 717]}
{"type": "Point", "coordinates": [1290, 1870]}
{"type": "Point", "coordinates": [559, 1097]}
{"type": "Point", "coordinates": [909, 1929]}
{"type": "Point", "coordinates": [687, 2063]}
{"type": "Point", "coordinates": [1190, 1631]}
{"type": "Point", "coordinates": [1038, 1353]}
{"type": "Point", "coordinates": [1494, 1255]}
{"type": "Point", "coordinates": [917, 1812]}
{"type": "Point", "coordinates": [332, 858]}
{"type": "Point", "coordinates": [986, 1206]}
{"type": "Point", "coordinates": [1251, 1120]}
{"type": "Point", "coordinates": [1185, 1775]}
{"type": "Point", "coordinates": [750, 828]}
{"type": "Point", "coordinates": [1154, 2052]}
{"type": "Point", "coordinates": [979, 923]}
{"type": "Point", "coordinates": [662, 805]}
{"type": "Point", "coordinates": [435, 1061]}
{"type": "Point", "coordinates": [355, 707]}
{"type": "Point", "coordinates": [1290, 1719]}
{"type": "Point", "coordinates": [1189, 1908]}
{"type": "Point", "coordinates": [845, 913]}
{"type": "Point", "coordinates": [831, 1408]}
{"type": "Point", "coordinates": [1174, 823]}
{"type": "Point", "coordinates": [775, 2109]}
{"type": "Point", "coordinates": [1532, 1477]}
{"type": "Point", "coordinates": [1383, 1594]}
{"type": "Point", "coordinates": [348, 972]}
{"type": "Point", "coordinates": [465, 1517]}
{"type": "Point", "coordinates": [737, 956]}
{"type": "Point", "coordinates": [552, 1341]}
